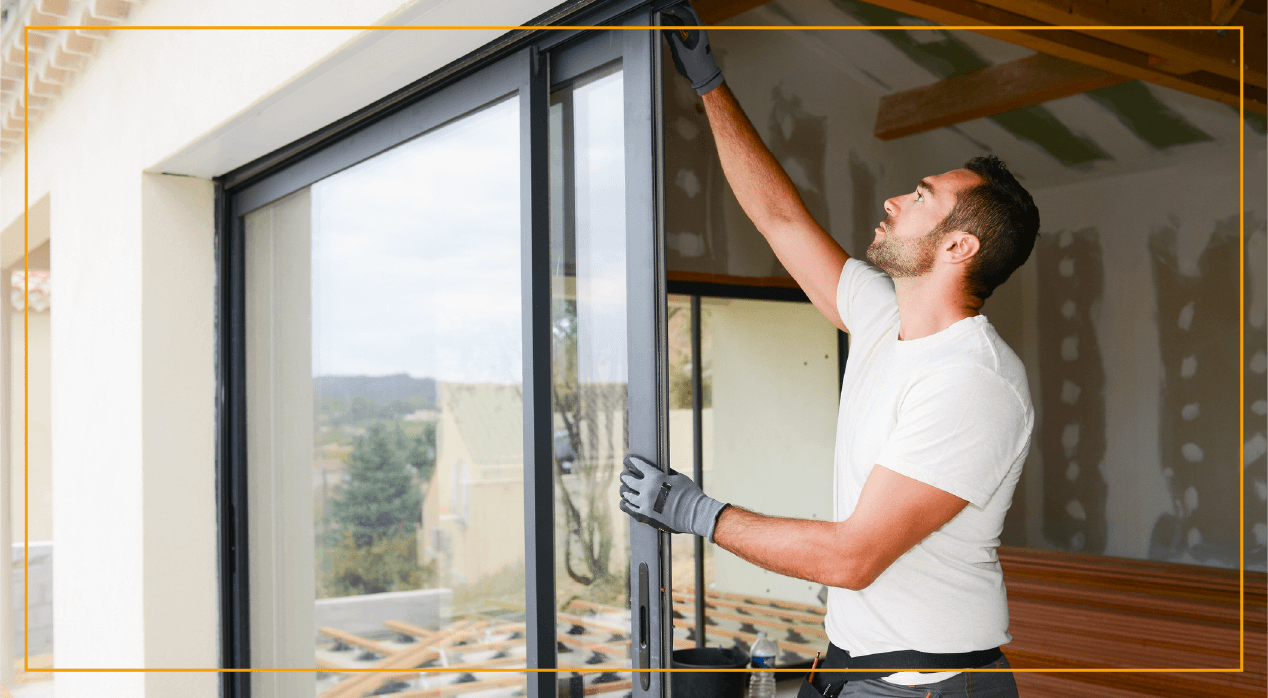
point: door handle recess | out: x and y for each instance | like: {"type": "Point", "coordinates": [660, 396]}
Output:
{"type": "Point", "coordinates": [644, 629]}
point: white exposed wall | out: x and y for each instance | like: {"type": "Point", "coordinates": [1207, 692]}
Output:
{"type": "Point", "coordinates": [30, 413]}
{"type": "Point", "coordinates": [775, 374]}
{"type": "Point", "coordinates": [177, 429]}
{"type": "Point", "coordinates": [1193, 198]}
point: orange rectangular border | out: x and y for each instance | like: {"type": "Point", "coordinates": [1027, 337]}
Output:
{"type": "Point", "coordinates": [1242, 220]}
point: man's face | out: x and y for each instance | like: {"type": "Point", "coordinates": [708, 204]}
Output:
{"type": "Point", "coordinates": [905, 244]}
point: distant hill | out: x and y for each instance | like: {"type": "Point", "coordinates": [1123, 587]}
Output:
{"type": "Point", "coordinates": [376, 388]}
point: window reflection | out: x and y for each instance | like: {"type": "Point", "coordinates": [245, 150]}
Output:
{"type": "Point", "coordinates": [590, 381]}
{"type": "Point", "coordinates": [408, 304]}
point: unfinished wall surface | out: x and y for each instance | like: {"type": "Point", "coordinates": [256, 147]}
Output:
{"type": "Point", "coordinates": [1198, 409]}
{"type": "Point", "coordinates": [1168, 328]}
{"type": "Point", "coordinates": [1126, 314]}
{"type": "Point", "coordinates": [1072, 376]}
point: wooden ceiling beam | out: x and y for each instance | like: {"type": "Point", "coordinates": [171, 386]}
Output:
{"type": "Point", "coordinates": [1174, 59]}
{"type": "Point", "coordinates": [1177, 51]}
{"type": "Point", "coordinates": [1223, 10]}
{"type": "Point", "coordinates": [1203, 49]}
{"type": "Point", "coordinates": [993, 90]}
{"type": "Point", "coordinates": [1080, 47]}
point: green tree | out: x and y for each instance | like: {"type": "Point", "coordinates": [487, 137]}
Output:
{"type": "Point", "coordinates": [380, 499]}
{"type": "Point", "coordinates": [421, 452]}
{"type": "Point", "coordinates": [588, 408]}
{"type": "Point", "coordinates": [362, 408]}
{"type": "Point", "coordinates": [389, 563]}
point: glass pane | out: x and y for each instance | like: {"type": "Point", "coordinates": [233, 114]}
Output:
{"type": "Point", "coordinates": [682, 450]}
{"type": "Point", "coordinates": [770, 400]}
{"type": "Point", "coordinates": [589, 379]}
{"type": "Point", "coordinates": [409, 308]}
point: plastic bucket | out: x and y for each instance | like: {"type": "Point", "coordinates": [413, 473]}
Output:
{"type": "Point", "coordinates": [702, 684]}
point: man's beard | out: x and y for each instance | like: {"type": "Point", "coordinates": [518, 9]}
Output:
{"type": "Point", "coordinates": [904, 257]}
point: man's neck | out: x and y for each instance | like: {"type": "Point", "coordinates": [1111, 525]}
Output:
{"type": "Point", "coordinates": [927, 306]}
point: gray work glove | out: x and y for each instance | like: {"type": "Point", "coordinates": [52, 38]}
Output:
{"type": "Point", "coordinates": [692, 56]}
{"type": "Point", "coordinates": [669, 501]}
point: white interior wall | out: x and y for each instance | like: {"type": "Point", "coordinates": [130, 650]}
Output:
{"type": "Point", "coordinates": [775, 377]}
{"type": "Point", "coordinates": [681, 448]}
{"type": "Point", "coordinates": [1191, 197]}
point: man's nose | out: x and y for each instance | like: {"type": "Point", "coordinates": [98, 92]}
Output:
{"type": "Point", "coordinates": [890, 206]}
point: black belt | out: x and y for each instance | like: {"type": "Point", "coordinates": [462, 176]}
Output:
{"type": "Point", "coordinates": [828, 682]}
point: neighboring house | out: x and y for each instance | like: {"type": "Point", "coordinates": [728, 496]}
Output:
{"type": "Point", "coordinates": [478, 485]}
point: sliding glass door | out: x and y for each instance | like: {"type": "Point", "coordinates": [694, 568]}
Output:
{"type": "Point", "coordinates": [388, 295]}
{"type": "Point", "coordinates": [440, 334]}
{"type": "Point", "coordinates": [607, 304]}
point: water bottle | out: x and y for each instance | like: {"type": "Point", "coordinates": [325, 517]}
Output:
{"type": "Point", "coordinates": [761, 684]}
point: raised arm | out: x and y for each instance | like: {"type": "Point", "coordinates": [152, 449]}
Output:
{"type": "Point", "coordinates": [763, 188]}
{"type": "Point", "coordinates": [771, 201]}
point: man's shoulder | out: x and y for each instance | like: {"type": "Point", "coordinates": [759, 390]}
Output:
{"type": "Point", "coordinates": [1004, 361]}
{"type": "Point", "coordinates": [980, 359]}
{"type": "Point", "coordinates": [866, 299]}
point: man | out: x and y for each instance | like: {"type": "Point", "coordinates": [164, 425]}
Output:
{"type": "Point", "coordinates": [934, 423]}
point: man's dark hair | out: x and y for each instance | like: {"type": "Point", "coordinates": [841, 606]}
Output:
{"type": "Point", "coordinates": [1003, 217]}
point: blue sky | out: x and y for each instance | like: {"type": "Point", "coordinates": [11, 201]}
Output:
{"type": "Point", "coordinates": [416, 252]}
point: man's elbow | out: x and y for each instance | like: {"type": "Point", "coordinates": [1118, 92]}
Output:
{"type": "Point", "coordinates": [856, 575]}
{"type": "Point", "coordinates": [857, 582]}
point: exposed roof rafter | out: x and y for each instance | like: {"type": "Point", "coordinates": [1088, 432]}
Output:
{"type": "Point", "coordinates": [1161, 58]}
{"type": "Point", "coordinates": [1196, 49]}
{"type": "Point", "coordinates": [999, 88]}
{"type": "Point", "coordinates": [1200, 61]}
{"type": "Point", "coordinates": [1223, 10]}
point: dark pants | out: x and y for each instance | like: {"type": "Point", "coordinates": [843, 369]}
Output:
{"type": "Point", "coordinates": [969, 684]}
{"type": "Point", "coordinates": [963, 685]}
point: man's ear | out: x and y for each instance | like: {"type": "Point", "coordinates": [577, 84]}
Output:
{"type": "Point", "coordinates": [960, 246]}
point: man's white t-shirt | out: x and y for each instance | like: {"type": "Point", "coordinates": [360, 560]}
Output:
{"type": "Point", "coordinates": [951, 410]}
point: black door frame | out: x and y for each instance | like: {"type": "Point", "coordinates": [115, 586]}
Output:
{"type": "Point", "coordinates": [524, 63]}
